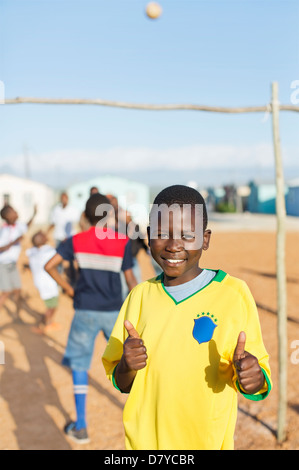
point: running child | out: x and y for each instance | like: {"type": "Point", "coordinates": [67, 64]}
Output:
{"type": "Point", "coordinates": [186, 342]}
{"type": "Point", "coordinates": [11, 235]}
{"type": "Point", "coordinates": [38, 256]}
{"type": "Point", "coordinates": [101, 256]}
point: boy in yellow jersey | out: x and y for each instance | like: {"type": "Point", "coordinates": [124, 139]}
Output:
{"type": "Point", "coordinates": [185, 343]}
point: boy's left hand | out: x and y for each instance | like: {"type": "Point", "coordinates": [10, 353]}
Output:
{"type": "Point", "coordinates": [250, 375]}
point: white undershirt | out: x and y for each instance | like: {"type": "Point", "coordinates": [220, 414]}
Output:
{"type": "Point", "coordinates": [182, 291]}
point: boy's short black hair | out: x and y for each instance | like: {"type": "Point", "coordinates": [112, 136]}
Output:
{"type": "Point", "coordinates": [180, 194]}
{"type": "Point", "coordinates": [93, 202]}
{"type": "Point", "coordinates": [4, 210]}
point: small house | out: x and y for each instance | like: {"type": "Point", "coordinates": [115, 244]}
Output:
{"type": "Point", "coordinates": [262, 197]}
{"type": "Point", "coordinates": [132, 196]}
{"type": "Point", "coordinates": [23, 194]}
{"type": "Point", "coordinates": [292, 202]}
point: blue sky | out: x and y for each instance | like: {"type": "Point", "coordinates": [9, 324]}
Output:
{"type": "Point", "coordinates": [210, 52]}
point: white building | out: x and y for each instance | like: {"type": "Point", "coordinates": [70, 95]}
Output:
{"type": "Point", "coordinates": [132, 196]}
{"type": "Point", "coordinates": [22, 194]}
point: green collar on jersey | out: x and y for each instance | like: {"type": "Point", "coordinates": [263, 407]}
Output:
{"type": "Point", "coordinates": [220, 275]}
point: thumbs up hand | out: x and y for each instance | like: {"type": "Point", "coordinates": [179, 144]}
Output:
{"type": "Point", "coordinates": [134, 351]}
{"type": "Point", "coordinates": [250, 375]}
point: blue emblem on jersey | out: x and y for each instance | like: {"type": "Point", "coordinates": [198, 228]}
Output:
{"type": "Point", "coordinates": [204, 327]}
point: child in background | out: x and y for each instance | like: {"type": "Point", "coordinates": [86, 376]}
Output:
{"type": "Point", "coordinates": [11, 234]}
{"type": "Point", "coordinates": [101, 256]}
{"type": "Point", "coordinates": [38, 256]}
{"type": "Point", "coordinates": [186, 341]}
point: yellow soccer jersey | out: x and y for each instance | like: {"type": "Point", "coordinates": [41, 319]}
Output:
{"type": "Point", "coordinates": [186, 396]}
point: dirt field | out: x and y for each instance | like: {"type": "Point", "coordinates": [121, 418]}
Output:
{"type": "Point", "coordinates": [36, 396]}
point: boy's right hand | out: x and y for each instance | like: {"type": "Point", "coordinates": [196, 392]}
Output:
{"type": "Point", "coordinates": [134, 352]}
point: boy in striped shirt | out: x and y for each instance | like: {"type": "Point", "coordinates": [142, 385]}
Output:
{"type": "Point", "coordinates": [101, 255]}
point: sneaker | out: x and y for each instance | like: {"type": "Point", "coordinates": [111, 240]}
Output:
{"type": "Point", "coordinates": [81, 436]}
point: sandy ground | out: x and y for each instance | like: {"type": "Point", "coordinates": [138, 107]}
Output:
{"type": "Point", "coordinates": [36, 396]}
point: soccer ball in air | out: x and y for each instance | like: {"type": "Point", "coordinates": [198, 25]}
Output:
{"type": "Point", "coordinates": [153, 10]}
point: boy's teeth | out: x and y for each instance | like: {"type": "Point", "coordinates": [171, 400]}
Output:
{"type": "Point", "coordinates": [175, 260]}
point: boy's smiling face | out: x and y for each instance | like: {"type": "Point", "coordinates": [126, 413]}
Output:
{"type": "Point", "coordinates": [176, 242]}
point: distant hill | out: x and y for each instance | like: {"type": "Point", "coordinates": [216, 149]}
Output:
{"type": "Point", "coordinates": [160, 178]}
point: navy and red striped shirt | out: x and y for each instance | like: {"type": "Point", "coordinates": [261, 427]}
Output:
{"type": "Point", "coordinates": [100, 263]}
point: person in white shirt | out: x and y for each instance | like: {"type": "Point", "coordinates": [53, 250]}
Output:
{"type": "Point", "coordinates": [38, 256]}
{"type": "Point", "coordinates": [11, 234]}
{"type": "Point", "coordinates": [64, 219]}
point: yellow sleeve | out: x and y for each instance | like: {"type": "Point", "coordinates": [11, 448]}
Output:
{"type": "Point", "coordinates": [130, 311]}
{"type": "Point", "coordinates": [254, 345]}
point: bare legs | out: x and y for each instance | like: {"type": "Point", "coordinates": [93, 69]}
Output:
{"type": "Point", "coordinates": [16, 295]}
